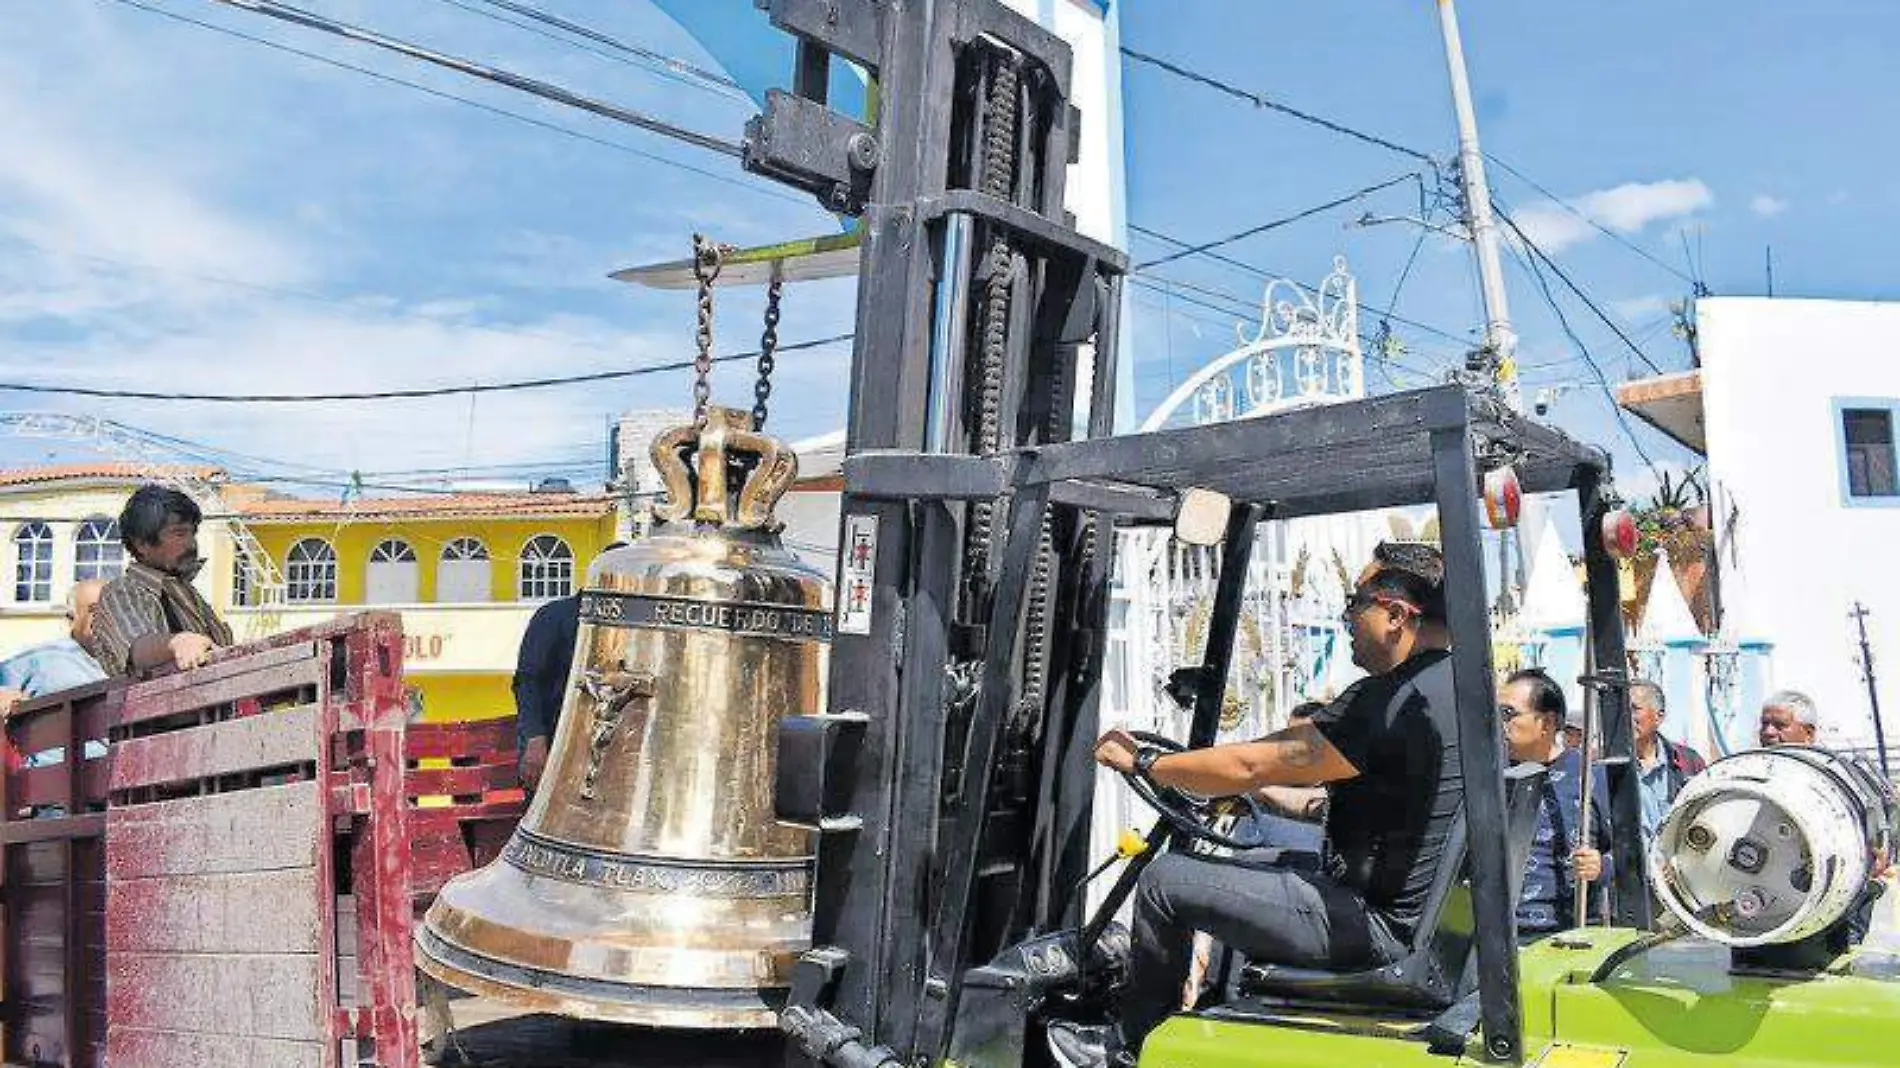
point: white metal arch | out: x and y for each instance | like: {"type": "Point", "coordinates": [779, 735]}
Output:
{"type": "Point", "coordinates": [1306, 350]}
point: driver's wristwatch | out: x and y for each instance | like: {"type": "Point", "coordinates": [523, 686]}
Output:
{"type": "Point", "coordinates": [1145, 758]}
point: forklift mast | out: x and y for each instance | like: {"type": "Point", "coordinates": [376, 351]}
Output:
{"type": "Point", "coordinates": [952, 777]}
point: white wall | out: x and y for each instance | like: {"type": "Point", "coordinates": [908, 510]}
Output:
{"type": "Point", "coordinates": [1772, 371]}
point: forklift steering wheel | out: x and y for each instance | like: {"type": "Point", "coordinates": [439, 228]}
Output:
{"type": "Point", "coordinates": [1189, 814]}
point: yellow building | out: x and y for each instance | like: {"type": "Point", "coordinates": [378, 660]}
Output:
{"type": "Point", "coordinates": [465, 571]}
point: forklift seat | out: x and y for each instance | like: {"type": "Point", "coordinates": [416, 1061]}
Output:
{"type": "Point", "coordinates": [1435, 971]}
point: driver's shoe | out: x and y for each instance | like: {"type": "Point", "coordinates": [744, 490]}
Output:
{"type": "Point", "coordinates": [1074, 1045]}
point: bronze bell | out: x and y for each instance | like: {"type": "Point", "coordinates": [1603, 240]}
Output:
{"type": "Point", "coordinates": [649, 882]}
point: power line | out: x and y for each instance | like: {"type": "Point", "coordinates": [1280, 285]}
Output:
{"type": "Point", "coordinates": [1262, 272]}
{"type": "Point", "coordinates": [1574, 288]}
{"type": "Point", "coordinates": [536, 87]}
{"type": "Point", "coordinates": [1272, 105]}
{"type": "Point", "coordinates": [1603, 382]}
{"type": "Point", "coordinates": [1165, 287]}
{"type": "Point", "coordinates": [674, 67]}
{"type": "Point", "coordinates": [1597, 226]}
{"type": "Point", "coordinates": [441, 94]}
{"type": "Point", "coordinates": [399, 394]}
{"type": "Point", "coordinates": [1305, 213]}
{"type": "Point", "coordinates": [1385, 321]}
{"type": "Point", "coordinates": [615, 56]}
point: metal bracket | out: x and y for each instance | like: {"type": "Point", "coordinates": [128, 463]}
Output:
{"type": "Point", "coordinates": [849, 28]}
{"type": "Point", "coordinates": [807, 145]}
{"type": "Point", "coordinates": [1025, 224]}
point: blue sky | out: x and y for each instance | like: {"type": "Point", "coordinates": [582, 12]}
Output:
{"type": "Point", "coordinates": [385, 238]}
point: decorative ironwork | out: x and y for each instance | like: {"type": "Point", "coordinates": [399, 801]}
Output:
{"type": "Point", "coordinates": [1305, 350]}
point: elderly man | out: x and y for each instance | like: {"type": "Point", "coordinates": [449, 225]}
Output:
{"type": "Point", "coordinates": [1665, 765]}
{"type": "Point", "coordinates": [1788, 717]}
{"type": "Point", "coordinates": [62, 663]}
{"type": "Point", "coordinates": [152, 616]}
{"type": "Point", "coordinates": [53, 667]}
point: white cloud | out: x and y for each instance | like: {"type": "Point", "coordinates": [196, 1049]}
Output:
{"type": "Point", "coordinates": [164, 227]}
{"type": "Point", "coordinates": [68, 191]}
{"type": "Point", "coordinates": [1767, 206]}
{"type": "Point", "coordinates": [1639, 307]}
{"type": "Point", "coordinates": [1626, 209]}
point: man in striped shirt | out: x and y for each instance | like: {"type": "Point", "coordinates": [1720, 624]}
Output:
{"type": "Point", "coordinates": [152, 616]}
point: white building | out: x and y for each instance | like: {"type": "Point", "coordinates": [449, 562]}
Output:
{"type": "Point", "coordinates": [1795, 405]}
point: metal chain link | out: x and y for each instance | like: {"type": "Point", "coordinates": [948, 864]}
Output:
{"type": "Point", "coordinates": [707, 258]}
{"type": "Point", "coordinates": [768, 350]}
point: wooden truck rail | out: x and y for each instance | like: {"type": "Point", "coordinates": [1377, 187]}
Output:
{"type": "Point", "coordinates": [229, 873]}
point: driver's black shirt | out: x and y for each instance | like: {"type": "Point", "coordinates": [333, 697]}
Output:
{"type": "Point", "coordinates": [1386, 829]}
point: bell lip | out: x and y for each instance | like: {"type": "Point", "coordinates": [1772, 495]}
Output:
{"type": "Point", "coordinates": [696, 1008]}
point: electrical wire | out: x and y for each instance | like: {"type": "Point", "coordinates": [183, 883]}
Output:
{"type": "Point", "coordinates": [625, 54]}
{"type": "Point", "coordinates": [1262, 272]}
{"type": "Point", "coordinates": [1305, 213]}
{"type": "Point", "coordinates": [1164, 286]}
{"type": "Point", "coordinates": [1579, 213]}
{"type": "Point", "coordinates": [1539, 253]}
{"type": "Point", "coordinates": [1259, 101]}
{"type": "Point", "coordinates": [1602, 381]}
{"type": "Point", "coordinates": [672, 65]}
{"type": "Point", "coordinates": [1385, 321]}
{"type": "Point", "coordinates": [390, 79]}
{"type": "Point", "coordinates": [545, 90]}
{"type": "Point", "coordinates": [399, 394]}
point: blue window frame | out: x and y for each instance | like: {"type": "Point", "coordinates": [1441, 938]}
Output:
{"type": "Point", "coordinates": [1867, 450]}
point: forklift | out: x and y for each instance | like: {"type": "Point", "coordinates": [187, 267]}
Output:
{"type": "Point", "coordinates": [952, 774]}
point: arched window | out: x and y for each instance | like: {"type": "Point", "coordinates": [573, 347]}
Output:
{"type": "Point", "coordinates": [392, 574]}
{"type": "Point", "coordinates": [463, 576]}
{"type": "Point", "coordinates": [311, 571]}
{"type": "Point", "coordinates": [547, 569]}
{"type": "Point", "coordinates": [97, 553]}
{"type": "Point", "coordinates": [240, 577]}
{"type": "Point", "coordinates": [33, 563]}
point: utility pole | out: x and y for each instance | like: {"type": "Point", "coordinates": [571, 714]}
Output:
{"type": "Point", "coordinates": [1500, 341]}
{"type": "Point", "coordinates": [1859, 616]}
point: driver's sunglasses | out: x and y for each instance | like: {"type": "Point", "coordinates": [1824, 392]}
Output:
{"type": "Point", "coordinates": [1361, 600]}
{"type": "Point", "coordinates": [1507, 713]}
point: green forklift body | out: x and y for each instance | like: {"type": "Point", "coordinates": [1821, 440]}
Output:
{"type": "Point", "coordinates": [1600, 998]}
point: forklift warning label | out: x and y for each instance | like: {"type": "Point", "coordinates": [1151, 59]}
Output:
{"type": "Point", "coordinates": [857, 574]}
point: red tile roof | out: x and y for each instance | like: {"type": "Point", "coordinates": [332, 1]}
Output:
{"type": "Point", "coordinates": [438, 506]}
{"type": "Point", "coordinates": [118, 472]}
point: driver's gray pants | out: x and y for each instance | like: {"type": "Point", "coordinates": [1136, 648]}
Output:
{"type": "Point", "coordinates": [1272, 915]}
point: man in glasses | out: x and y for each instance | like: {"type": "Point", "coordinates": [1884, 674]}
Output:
{"type": "Point", "coordinates": [1567, 847]}
{"type": "Point", "coordinates": [1387, 748]}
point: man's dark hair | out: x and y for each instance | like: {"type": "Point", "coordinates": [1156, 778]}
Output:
{"type": "Point", "coordinates": [1546, 696]}
{"type": "Point", "coordinates": [150, 509]}
{"type": "Point", "coordinates": [1412, 572]}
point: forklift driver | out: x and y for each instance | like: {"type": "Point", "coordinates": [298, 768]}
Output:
{"type": "Point", "coordinates": [1388, 748]}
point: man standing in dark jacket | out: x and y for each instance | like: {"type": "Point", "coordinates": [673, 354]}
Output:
{"type": "Point", "coordinates": [541, 672]}
{"type": "Point", "coordinates": [1569, 843]}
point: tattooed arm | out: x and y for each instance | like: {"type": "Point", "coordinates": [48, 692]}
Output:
{"type": "Point", "coordinates": [1297, 755]}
